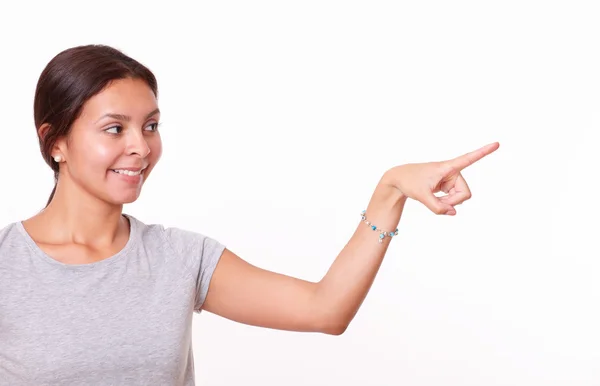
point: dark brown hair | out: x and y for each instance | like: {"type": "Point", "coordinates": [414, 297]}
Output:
{"type": "Point", "coordinates": [68, 81]}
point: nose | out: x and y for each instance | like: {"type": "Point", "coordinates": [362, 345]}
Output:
{"type": "Point", "coordinates": [137, 144]}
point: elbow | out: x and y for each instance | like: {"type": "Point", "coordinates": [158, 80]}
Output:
{"type": "Point", "coordinates": [337, 331]}
{"type": "Point", "coordinates": [334, 327]}
{"type": "Point", "coordinates": [329, 317]}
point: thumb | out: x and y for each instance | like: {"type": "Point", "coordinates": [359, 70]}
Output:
{"type": "Point", "coordinates": [435, 205]}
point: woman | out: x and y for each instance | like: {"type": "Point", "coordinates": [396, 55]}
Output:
{"type": "Point", "coordinates": [90, 295]}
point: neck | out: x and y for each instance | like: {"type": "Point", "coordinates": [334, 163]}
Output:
{"type": "Point", "coordinates": [76, 216]}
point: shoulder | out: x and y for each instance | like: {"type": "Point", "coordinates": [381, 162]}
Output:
{"type": "Point", "coordinates": [192, 246]}
{"type": "Point", "coordinates": [13, 241]}
{"type": "Point", "coordinates": [9, 232]}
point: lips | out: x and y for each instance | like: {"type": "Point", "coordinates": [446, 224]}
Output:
{"type": "Point", "coordinates": [126, 172]}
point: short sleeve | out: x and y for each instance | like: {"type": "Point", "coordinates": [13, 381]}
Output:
{"type": "Point", "coordinates": [201, 254]}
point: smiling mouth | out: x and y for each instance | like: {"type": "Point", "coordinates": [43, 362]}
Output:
{"type": "Point", "coordinates": [128, 172]}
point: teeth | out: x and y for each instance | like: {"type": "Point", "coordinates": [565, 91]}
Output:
{"type": "Point", "coordinates": [127, 172]}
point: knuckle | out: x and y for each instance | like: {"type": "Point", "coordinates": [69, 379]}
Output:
{"type": "Point", "coordinates": [448, 168]}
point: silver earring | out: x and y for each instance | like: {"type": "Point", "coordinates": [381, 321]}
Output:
{"type": "Point", "coordinates": [57, 158]}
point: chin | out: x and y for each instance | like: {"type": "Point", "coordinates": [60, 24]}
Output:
{"type": "Point", "coordinates": [124, 199]}
{"type": "Point", "coordinates": [129, 201]}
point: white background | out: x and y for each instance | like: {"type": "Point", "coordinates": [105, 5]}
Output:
{"type": "Point", "coordinates": [279, 118]}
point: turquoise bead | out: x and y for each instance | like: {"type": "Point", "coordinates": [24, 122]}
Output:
{"type": "Point", "coordinates": [373, 227]}
{"type": "Point", "coordinates": [381, 236]}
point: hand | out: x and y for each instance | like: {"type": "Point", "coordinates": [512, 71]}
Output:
{"type": "Point", "coordinates": [420, 181]}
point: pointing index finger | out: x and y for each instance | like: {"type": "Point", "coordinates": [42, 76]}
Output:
{"type": "Point", "coordinates": [470, 158]}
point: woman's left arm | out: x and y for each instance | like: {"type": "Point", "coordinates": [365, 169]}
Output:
{"type": "Point", "coordinates": [248, 294]}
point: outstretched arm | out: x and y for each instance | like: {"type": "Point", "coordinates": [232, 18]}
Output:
{"type": "Point", "coordinates": [247, 294]}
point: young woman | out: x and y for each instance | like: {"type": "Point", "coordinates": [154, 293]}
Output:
{"type": "Point", "coordinates": [90, 295]}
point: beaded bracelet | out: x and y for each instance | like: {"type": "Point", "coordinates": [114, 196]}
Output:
{"type": "Point", "coordinates": [382, 233]}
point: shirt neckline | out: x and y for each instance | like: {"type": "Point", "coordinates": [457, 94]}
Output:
{"type": "Point", "coordinates": [133, 226]}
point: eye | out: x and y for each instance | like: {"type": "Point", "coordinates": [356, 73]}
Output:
{"type": "Point", "coordinates": [153, 126]}
{"type": "Point", "coordinates": [115, 130]}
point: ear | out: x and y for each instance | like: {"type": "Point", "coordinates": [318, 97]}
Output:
{"type": "Point", "coordinates": [59, 145]}
{"type": "Point", "coordinates": [43, 130]}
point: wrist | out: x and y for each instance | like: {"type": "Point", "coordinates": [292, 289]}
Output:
{"type": "Point", "coordinates": [388, 181]}
{"type": "Point", "coordinates": [386, 206]}
{"type": "Point", "coordinates": [386, 191]}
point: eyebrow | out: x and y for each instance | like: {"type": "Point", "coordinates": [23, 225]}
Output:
{"type": "Point", "coordinates": [126, 118]}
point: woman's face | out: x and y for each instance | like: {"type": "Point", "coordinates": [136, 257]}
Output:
{"type": "Point", "coordinates": [114, 144]}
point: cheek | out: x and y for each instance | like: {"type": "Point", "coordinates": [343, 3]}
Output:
{"type": "Point", "coordinates": [99, 155]}
{"type": "Point", "coordinates": [155, 154]}
{"type": "Point", "coordinates": [155, 150]}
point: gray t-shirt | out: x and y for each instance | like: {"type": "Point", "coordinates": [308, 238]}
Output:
{"type": "Point", "coordinates": [125, 320]}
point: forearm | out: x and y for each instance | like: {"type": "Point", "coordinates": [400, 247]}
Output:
{"type": "Point", "coordinates": [343, 289]}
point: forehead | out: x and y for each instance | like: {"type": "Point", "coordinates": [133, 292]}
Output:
{"type": "Point", "coordinates": [132, 97]}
